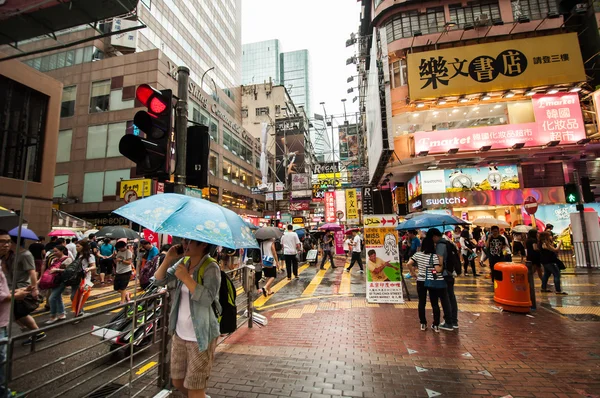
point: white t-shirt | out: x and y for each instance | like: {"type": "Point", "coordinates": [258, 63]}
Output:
{"type": "Point", "coordinates": [86, 264]}
{"type": "Point", "coordinates": [356, 244]}
{"type": "Point", "coordinates": [72, 248]}
{"type": "Point", "coordinates": [289, 240]}
{"type": "Point", "coordinates": [347, 244]}
{"type": "Point", "coordinates": [185, 327]}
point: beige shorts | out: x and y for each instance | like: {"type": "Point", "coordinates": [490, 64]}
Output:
{"type": "Point", "coordinates": [191, 365]}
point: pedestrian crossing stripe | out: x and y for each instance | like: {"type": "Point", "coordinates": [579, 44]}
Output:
{"type": "Point", "coordinates": [346, 283]}
{"type": "Point", "coordinates": [146, 367]}
{"type": "Point", "coordinates": [259, 302]}
{"type": "Point", "coordinates": [316, 281]}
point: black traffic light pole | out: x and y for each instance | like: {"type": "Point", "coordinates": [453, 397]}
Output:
{"type": "Point", "coordinates": [181, 122]}
{"type": "Point", "coordinates": [580, 208]}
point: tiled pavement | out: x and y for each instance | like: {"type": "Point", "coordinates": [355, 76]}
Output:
{"type": "Point", "coordinates": [344, 347]}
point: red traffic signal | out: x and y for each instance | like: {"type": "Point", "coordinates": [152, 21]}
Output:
{"type": "Point", "coordinates": [152, 99]}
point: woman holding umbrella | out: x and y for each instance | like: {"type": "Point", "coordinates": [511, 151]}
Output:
{"type": "Point", "coordinates": [88, 262]}
{"type": "Point", "coordinates": [196, 280]}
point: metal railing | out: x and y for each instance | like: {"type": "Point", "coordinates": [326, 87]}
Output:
{"type": "Point", "coordinates": [243, 281]}
{"type": "Point", "coordinates": [79, 364]}
{"type": "Point", "coordinates": [581, 255]}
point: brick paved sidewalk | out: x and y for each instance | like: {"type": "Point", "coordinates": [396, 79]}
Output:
{"type": "Point", "coordinates": [348, 349]}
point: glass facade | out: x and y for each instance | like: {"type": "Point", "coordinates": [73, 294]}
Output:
{"type": "Point", "coordinates": [261, 62]}
{"type": "Point", "coordinates": [295, 74]}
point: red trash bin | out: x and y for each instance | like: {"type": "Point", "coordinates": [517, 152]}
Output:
{"type": "Point", "coordinates": [511, 287]}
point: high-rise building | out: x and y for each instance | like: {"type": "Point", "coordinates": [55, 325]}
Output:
{"type": "Point", "coordinates": [265, 61]}
{"type": "Point", "coordinates": [100, 78]}
{"type": "Point", "coordinates": [261, 62]}
{"type": "Point", "coordinates": [295, 76]}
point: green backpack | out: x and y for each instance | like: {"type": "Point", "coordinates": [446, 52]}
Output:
{"type": "Point", "coordinates": [227, 296]}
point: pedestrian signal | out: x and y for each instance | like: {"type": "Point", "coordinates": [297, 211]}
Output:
{"type": "Point", "coordinates": [572, 193]}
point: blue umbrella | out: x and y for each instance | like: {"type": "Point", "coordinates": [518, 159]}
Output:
{"type": "Point", "coordinates": [191, 218]}
{"type": "Point", "coordinates": [251, 226]}
{"type": "Point", "coordinates": [301, 233]}
{"type": "Point", "coordinates": [430, 221]}
{"type": "Point", "coordinates": [26, 233]}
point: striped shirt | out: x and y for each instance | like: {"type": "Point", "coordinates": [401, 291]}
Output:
{"type": "Point", "coordinates": [423, 260]}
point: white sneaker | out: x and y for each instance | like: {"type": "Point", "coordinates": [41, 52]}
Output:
{"type": "Point", "coordinates": [361, 272]}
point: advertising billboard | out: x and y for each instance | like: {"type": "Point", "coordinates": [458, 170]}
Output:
{"type": "Point", "coordinates": [330, 207]}
{"type": "Point", "coordinates": [490, 178]}
{"type": "Point", "coordinates": [290, 149]}
{"type": "Point", "coordinates": [495, 66]}
{"type": "Point", "coordinates": [348, 141]}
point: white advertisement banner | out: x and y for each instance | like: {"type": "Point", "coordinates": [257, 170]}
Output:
{"type": "Point", "coordinates": [384, 279]}
{"type": "Point", "coordinates": [300, 181]}
{"type": "Point", "coordinates": [432, 181]}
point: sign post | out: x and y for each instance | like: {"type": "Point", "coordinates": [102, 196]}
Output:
{"type": "Point", "coordinates": [530, 205]}
{"type": "Point", "coordinates": [384, 276]}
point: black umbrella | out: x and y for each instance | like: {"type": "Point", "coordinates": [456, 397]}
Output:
{"type": "Point", "coordinates": [266, 233]}
{"type": "Point", "coordinates": [117, 232]}
{"type": "Point", "coordinates": [8, 219]}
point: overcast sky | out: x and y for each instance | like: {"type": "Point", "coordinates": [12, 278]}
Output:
{"type": "Point", "coordinates": [321, 27]}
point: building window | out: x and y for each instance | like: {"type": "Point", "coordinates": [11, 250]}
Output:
{"type": "Point", "coordinates": [100, 184]}
{"type": "Point", "coordinates": [244, 112]}
{"type": "Point", "coordinates": [213, 129]}
{"type": "Point", "coordinates": [227, 170]}
{"type": "Point", "coordinates": [67, 107]}
{"type": "Point", "coordinates": [22, 130]}
{"type": "Point", "coordinates": [533, 9]}
{"type": "Point", "coordinates": [213, 163]}
{"type": "Point", "coordinates": [61, 186]}
{"type": "Point", "coordinates": [63, 153]}
{"type": "Point", "coordinates": [103, 140]}
{"type": "Point", "coordinates": [235, 174]}
{"type": "Point", "coordinates": [398, 73]}
{"type": "Point", "coordinates": [100, 98]}
{"type": "Point", "coordinates": [262, 111]}
{"type": "Point", "coordinates": [407, 23]}
{"type": "Point", "coordinates": [245, 178]}
{"type": "Point", "coordinates": [481, 13]}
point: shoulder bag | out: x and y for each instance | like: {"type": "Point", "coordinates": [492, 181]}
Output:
{"type": "Point", "coordinates": [435, 283]}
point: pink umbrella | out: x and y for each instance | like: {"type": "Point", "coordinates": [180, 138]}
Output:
{"type": "Point", "coordinates": [62, 232]}
{"type": "Point", "coordinates": [330, 227]}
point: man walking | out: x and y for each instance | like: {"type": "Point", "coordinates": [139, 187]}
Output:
{"type": "Point", "coordinates": [327, 250]}
{"type": "Point", "coordinates": [449, 253]}
{"type": "Point", "coordinates": [356, 252]}
{"type": "Point", "coordinates": [291, 245]}
{"type": "Point", "coordinates": [496, 245]}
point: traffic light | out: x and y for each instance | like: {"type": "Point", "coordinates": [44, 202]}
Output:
{"type": "Point", "coordinates": [197, 154]}
{"type": "Point", "coordinates": [572, 193]}
{"type": "Point", "coordinates": [586, 189]}
{"type": "Point", "coordinates": [151, 154]}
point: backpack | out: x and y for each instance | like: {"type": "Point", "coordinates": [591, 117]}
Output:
{"type": "Point", "coordinates": [227, 296]}
{"type": "Point", "coordinates": [278, 246]}
{"type": "Point", "coordinates": [149, 269]}
{"type": "Point", "coordinates": [453, 263]}
{"type": "Point", "coordinates": [73, 274]}
{"type": "Point", "coordinates": [254, 254]}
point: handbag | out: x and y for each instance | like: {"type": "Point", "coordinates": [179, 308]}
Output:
{"type": "Point", "coordinates": [267, 260]}
{"type": "Point", "coordinates": [30, 303]}
{"type": "Point", "coordinates": [438, 283]}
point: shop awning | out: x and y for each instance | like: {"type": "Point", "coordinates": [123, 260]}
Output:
{"type": "Point", "coordinates": [61, 219]}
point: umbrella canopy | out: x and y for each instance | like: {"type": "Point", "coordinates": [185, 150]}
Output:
{"type": "Point", "coordinates": [351, 230]}
{"type": "Point", "coordinates": [266, 233]}
{"type": "Point", "coordinates": [8, 219]}
{"type": "Point", "coordinates": [490, 222]}
{"type": "Point", "coordinates": [62, 232]}
{"type": "Point", "coordinates": [428, 220]}
{"type": "Point", "coordinates": [300, 232]}
{"type": "Point", "coordinates": [26, 233]}
{"type": "Point", "coordinates": [89, 232]}
{"type": "Point", "coordinates": [522, 229]}
{"type": "Point", "coordinates": [191, 218]}
{"type": "Point", "coordinates": [117, 232]}
{"type": "Point", "coordinates": [330, 227]}
{"type": "Point", "coordinates": [251, 226]}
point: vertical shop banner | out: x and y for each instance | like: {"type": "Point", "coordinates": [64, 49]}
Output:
{"type": "Point", "coordinates": [330, 209]}
{"type": "Point", "coordinates": [367, 200]}
{"type": "Point", "coordinates": [351, 207]}
{"type": "Point", "coordinates": [559, 116]}
{"type": "Point", "coordinates": [384, 280]}
{"type": "Point", "coordinates": [339, 242]}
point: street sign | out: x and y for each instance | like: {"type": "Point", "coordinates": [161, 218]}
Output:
{"type": "Point", "coordinates": [130, 196]}
{"type": "Point", "coordinates": [530, 205]}
{"type": "Point", "coordinates": [340, 214]}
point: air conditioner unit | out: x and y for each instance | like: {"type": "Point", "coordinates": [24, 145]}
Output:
{"type": "Point", "coordinates": [482, 20]}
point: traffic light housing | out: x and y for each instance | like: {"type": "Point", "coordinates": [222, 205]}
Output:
{"type": "Point", "coordinates": [586, 189]}
{"type": "Point", "coordinates": [151, 154]}
{"type": "Point", "coordinates": [572, 193]}
{"type": "Point", "coordinates": [197, 155]}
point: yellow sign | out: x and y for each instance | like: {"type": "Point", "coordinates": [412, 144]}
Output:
{"type": "Point", "coordinates": [497, 66]}
{"type": "Point", "coordinates": [298, 220]}
{"type": "Point", "coordinates": [333, 179]}
{"type": "Point", "coordinates": [351, 206]}
{"type": "Point", "coordinates": [141, 187]}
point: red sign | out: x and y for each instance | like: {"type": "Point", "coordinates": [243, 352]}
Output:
{"type": "Point", "coordinates": [330, 209]}
{"type": "Point", "coordinates": [299, 206]}
{"type": "Point", "coordinates": [558, 118]}
{"type": "Point", "coordinates": [151, 237]}
{"type": "Point", "coordinates": [316, 219]}
{"type": "Point", "coordinates": [388, 221]}
{"type": "Point", "coordinates": [530, 205]}
{"type": "Point", "coordinates": [160, 187]}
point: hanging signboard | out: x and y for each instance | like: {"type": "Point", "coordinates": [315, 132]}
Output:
{"type": "Point", "coordinates": [351, 207]}
{"type": "Point", "coordinates": [367, 200]}
{"type": "Point", "coordinates": [330, 209]}
{"type": "Point", "coordinates": [300, 181]}
{"type": "Point", "coordinates": [384, 279]}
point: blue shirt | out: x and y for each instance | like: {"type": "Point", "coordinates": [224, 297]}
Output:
{"type": "Point", "coordinates": [415, 244]}
{"type": "Point", "coordinates": [152, 253]}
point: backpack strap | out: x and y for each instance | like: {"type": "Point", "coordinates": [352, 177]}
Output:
{"type": "Point", "coordinates": [200, 275]}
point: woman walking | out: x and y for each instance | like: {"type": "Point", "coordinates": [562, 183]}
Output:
{"type": "Point", "coordinates": [124, 259]}
{"type": "Point", "coordinates": [467, 250]}
{"type": "Point", "coordinates": [533, 251]}
{"type": "Point", "coordinates": [549, 260]}
{"type": "Point", "coordinates": [88, 264]}
{"type": "Point", "coordinates": [195, 281]}
{"type": "Point", "coordinates": [57, 307]}
{"type": "Point", "coordinates": [428, 272]}
{"type": "Point", "coordinates": [270, 263]}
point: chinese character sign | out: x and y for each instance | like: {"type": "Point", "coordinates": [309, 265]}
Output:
{"type": "Point", "coordinates": [140, 187]}
{"type": "Point", "coordinates": [384, 279]}
{"type": "Point", "coordinates": [495, 66]}
{"type": "Point", "coordinates": [559, 117]}
{"type": "Point", "coordinates": [367, 200]}
{"type": "Point", "coordinates": [330, 207]}
{"type": "Point", "coordinates": [351, 206]}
